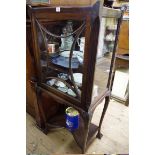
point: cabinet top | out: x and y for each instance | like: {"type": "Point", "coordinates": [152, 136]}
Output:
{"type": "Point", "coordinates": [61, 3]}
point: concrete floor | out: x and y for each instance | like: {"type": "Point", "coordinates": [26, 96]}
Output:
{"type": "Point", "coordinates": [114, 128]}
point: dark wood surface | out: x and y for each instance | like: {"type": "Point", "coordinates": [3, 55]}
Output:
{"type": "Point", "coordinates": [29, 91]}
{"type": "Point", "coordinates": [49, 104]}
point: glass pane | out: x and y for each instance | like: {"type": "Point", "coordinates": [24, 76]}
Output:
{"type": "Point", "coordinates": [61, 46]}
{"type": "Point", "coordinates": [105, 49]}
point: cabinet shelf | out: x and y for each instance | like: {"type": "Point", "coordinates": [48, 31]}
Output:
{"type": "Point", "coordinates": [91, 134]}
{"type": "Point", "coordinates": [60, 68]}
{"type": "Point", "coordinates": [58, 122]}
{"type": "Point", "coordinates": [109, 40]}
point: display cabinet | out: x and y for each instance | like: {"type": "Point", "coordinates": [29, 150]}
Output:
{"type": "Point", "coordinates": [65, 41]}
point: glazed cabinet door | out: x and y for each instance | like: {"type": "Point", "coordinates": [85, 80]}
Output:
{"type": "Point", "coordinates": [105, 58]}
{"type": "Point", "coordinates": [60, 50]}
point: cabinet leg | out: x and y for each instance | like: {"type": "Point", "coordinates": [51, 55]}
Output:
{"type": "Point", "coordinates": [83, 151]}
{"type": "Point", "coordinates": [87, 121]}
{"type": "Point", "coordinates": [99, 135]}
{"type": "Point", "coordinates": [107, 99]}
{"type": "Point", "coordinates": [37, 111]}
{"type": "Point", "coordinates": [42, 113]}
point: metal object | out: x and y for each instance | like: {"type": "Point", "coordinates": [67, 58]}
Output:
{"type": "Point", "coordinates": [72, 119]}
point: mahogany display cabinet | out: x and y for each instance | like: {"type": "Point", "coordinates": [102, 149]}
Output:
{"type": "Point", "coordinates": [69, 67]}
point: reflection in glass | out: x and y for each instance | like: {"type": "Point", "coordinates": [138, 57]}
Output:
{"type": "Point", "coordinates": [104, 55]}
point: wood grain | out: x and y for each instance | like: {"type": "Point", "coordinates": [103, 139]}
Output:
{"type": "Point", "coordinates": [123, 43]}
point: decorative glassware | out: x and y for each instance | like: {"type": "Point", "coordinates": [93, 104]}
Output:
{"type": "Point", "coordinates": [67, 40]}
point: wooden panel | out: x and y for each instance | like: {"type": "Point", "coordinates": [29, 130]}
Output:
{"type": "Point", "coordinates": [29, 91]}
{"type": "Point", "coordinates": [50, 106]}
{"type": "Point", "coordinates": [72, 2]}
{"type": "Point", "coordinates": [66, 2]}
{"type": "Point", "coordinates": [123, 44]}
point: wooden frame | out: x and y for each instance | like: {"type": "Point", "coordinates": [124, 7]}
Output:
{"type": "Point", "coordinates": [38, 2]}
